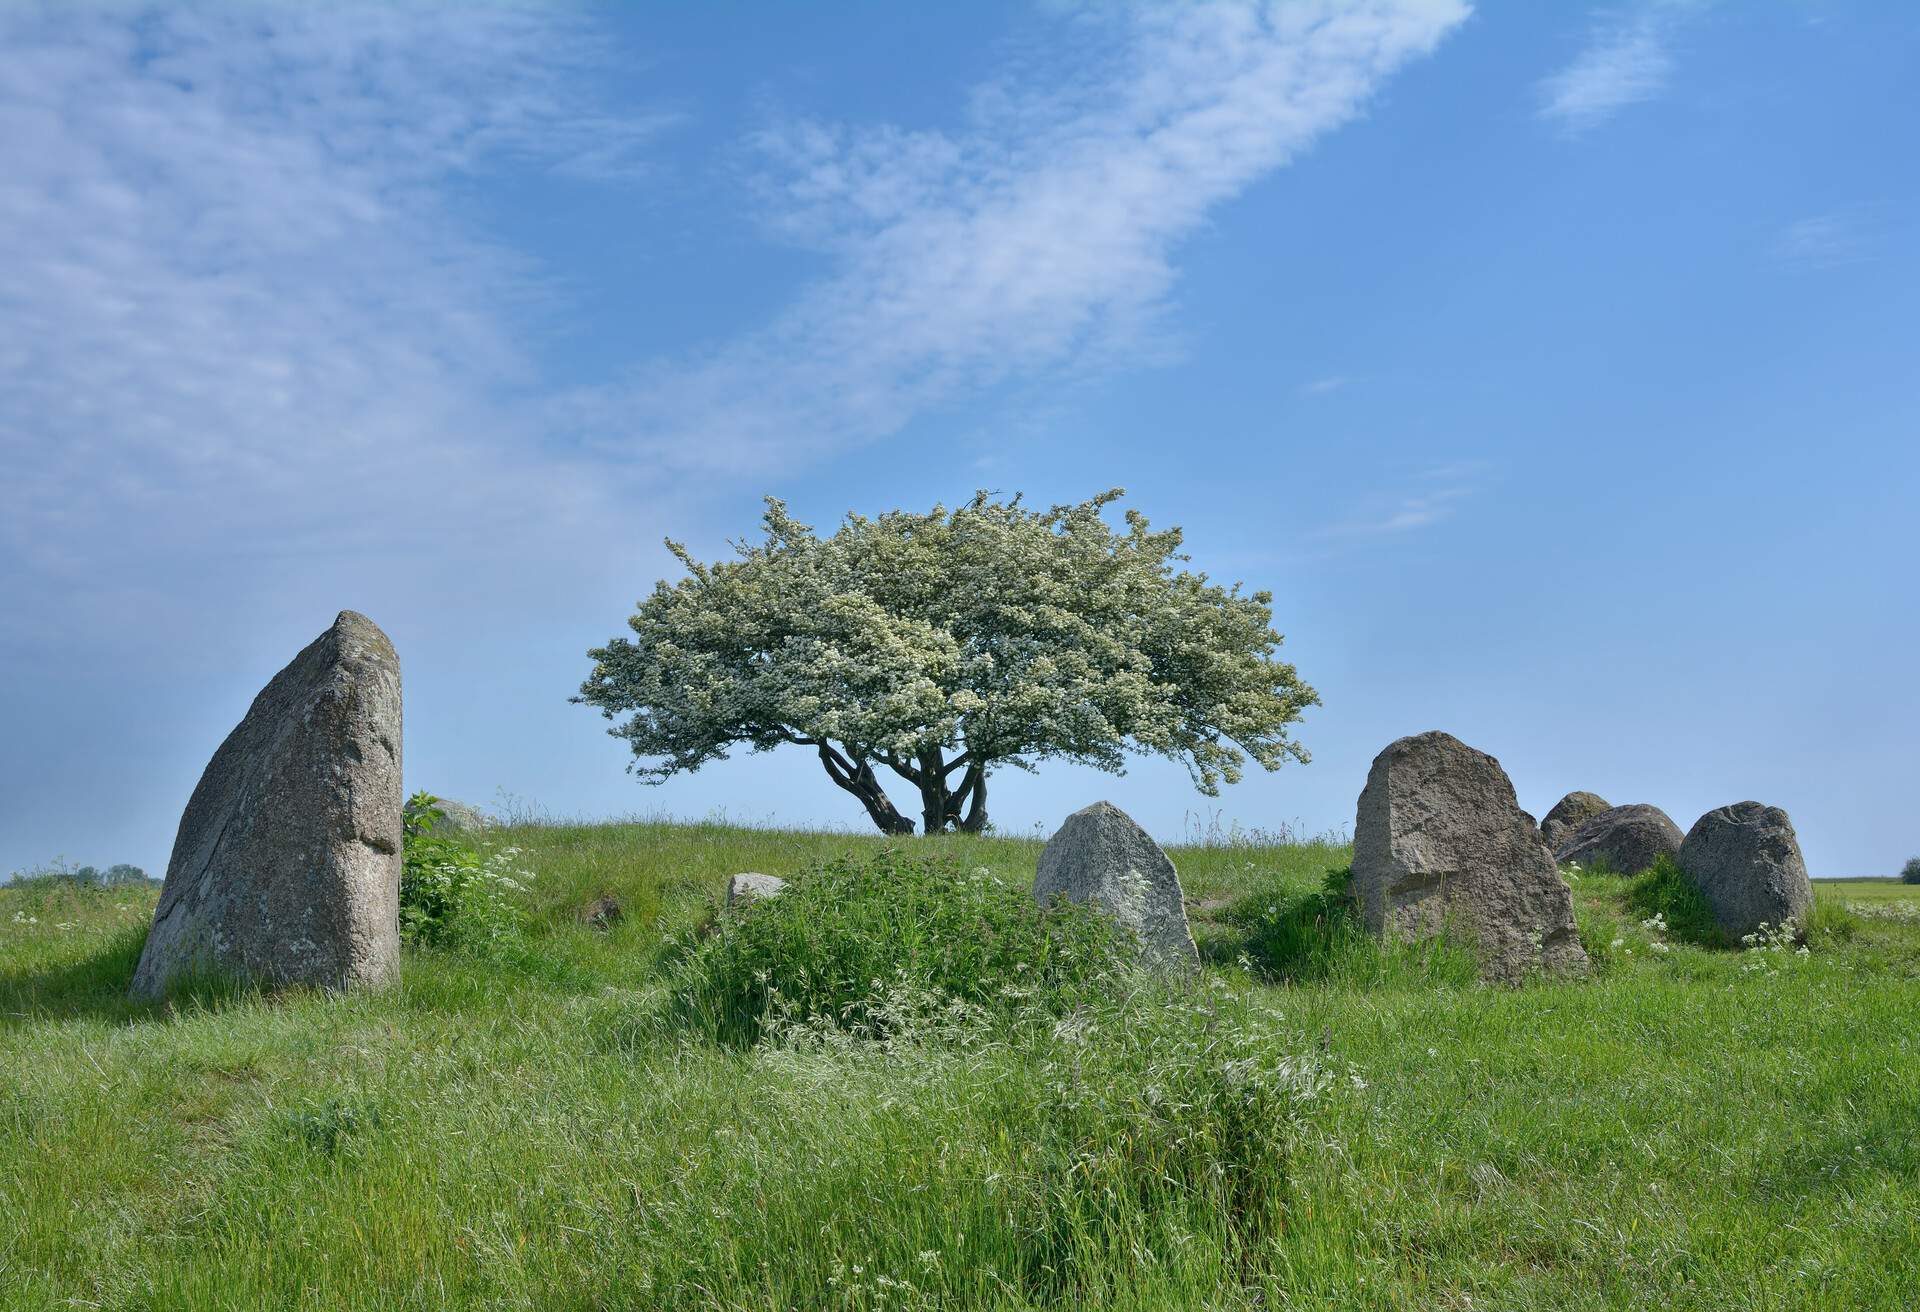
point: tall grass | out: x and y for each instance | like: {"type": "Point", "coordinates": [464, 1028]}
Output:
{"type": "Point", "coordinates": [1676, 1131]}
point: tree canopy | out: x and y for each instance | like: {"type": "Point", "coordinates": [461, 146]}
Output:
{"type": "Point", "coordinates": [940, 646]}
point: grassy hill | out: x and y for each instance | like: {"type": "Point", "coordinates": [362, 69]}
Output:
{"type": "Point", "coordinates": [524, 1123]}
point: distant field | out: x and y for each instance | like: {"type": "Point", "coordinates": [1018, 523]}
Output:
{"type": "Point", "coordinates": [1866, 890]}
{"type": "Point", "coordinates": [1690, 1128]}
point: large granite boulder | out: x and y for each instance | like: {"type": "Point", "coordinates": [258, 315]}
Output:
{"type": "Point", "coordinates": [1626, 839]}
{"type": "Point", "coordinates": [1746, 859]}
{"type": "Point", "coordinates": [286, 869]}
{"type": "Point", "coordinates": [1441, 844]}
{"type": "Point", "coordinates": [1568, 814]}
{"type": "Point", "coordinates": [1101, 856]}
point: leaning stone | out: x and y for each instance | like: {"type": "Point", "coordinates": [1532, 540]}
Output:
{"type": "Point", "coordinates": [1441, 845]}
{"type": "Point", "coordinates": [1626, 839]}
{"type": "Point", "coordinates": [286, 869]}
{"type": "Point", "coordinates": [751, 887]}
{"type": "Point", "coordinates": [1101, 856]}
{"type": "Point", "coordinates": [1746, 860]}
{"type": "Point", "coordinates": [1568, 814]}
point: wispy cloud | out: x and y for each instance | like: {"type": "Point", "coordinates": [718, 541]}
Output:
{"type": "Point", "coordinates": [239, 307]}
{"type": "Point", "coordinates": [1038, 239]}
{"type": "Point", "coordinates": [1430, 496]}
{"type": "Point", "coordinates": [1822, 241]}
{"type": "Point", "coordinates": [1628, 59]}
{"type": "Point", "coordinates": [1322, 386]}
{"type": "Point", "coordinates": [245, 316]}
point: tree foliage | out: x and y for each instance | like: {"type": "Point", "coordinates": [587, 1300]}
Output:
{"type": "Point", "coordinates": [940, 646]}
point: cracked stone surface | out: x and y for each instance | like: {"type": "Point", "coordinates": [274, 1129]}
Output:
{"type": "Point", "coordinates": [286, 868]}
{"type": "Point", "coordinates": [1441, 845]}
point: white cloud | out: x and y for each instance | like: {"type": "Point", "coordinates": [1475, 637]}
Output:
{"type": "Point", "coordinates": [1322, 386]}
{"type": "Point", "coordinates": [1038, 239]}
{"type": "Point", "coordinates": [239, 309]}
{"type": "Point", "coordinates": [1628, 59]}
{"type": "Point", "coordinates": [245, 322]}
{"type": "Point", "coordinates": [1822, 241]}
{"type": "Point", "coordinates": [1427, 498]}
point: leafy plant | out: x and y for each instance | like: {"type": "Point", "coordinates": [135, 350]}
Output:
{"type": "Point", "coordinates": [1910, 872]}
{"type": "Point", "coordinates": [846, 938]}
{"type": "Point", "coordinates": [449, 893]}
{"type": "Point", "coordinates": [1319, 938]}
{"type": "Point", "coordinates": [1665, 891]}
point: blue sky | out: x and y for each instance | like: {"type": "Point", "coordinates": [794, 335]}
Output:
{"type": "Point", "coordinates": [1555, 368]}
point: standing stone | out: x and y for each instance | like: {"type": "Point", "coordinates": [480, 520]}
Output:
{"type": "Point", "coordinates": [1746, 859]}
{"type": "Point", "coordinates": [1628, 839]}
{"type": "Point", "coordinates": [286, 869]}
{"type": "Point", "coordinates": [1101, 856]}
{"type": "Point", "coordinates": [1440, 843]}
{"type": "Point", "coordinates": [753, 887]}
{"type": "Point", "coordinates": [1568, 814]}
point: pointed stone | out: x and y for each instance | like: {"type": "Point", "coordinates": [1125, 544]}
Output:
{"type": "Point", "coordinates": [286, 868]}
{"type": "Point", "coordinates": [1441, 845]}
{"type": "Point", "coordinates": [1101, 856]}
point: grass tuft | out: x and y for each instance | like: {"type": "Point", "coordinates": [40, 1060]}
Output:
{"type": "Point", "coordinates": [1665, 890]}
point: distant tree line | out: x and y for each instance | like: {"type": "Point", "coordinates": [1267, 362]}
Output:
{"type": "Point", "coordinates": [113, 876]}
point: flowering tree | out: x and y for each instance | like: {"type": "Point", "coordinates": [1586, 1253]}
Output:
{"type": "Point", "coordinates": [939, 647]}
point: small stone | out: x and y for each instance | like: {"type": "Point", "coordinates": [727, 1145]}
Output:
{"type": "Point", "coordinates": [1568, 814]}
{"type": "Point", "coordinates": [603, 913]}
{"type": "Point", "coordinates": [286, 868]}
{"type": "Point", "coordinates": [1625, 839]}
{"type": "Point", "coordinates": [461, 818]}
{"type": "Point", "coordinates": [1745, 858]}
{"type": "Point", "coordinates": [1101, 856]}
{"type": "Point", "coordinates": [751, 887]}
{"type": "Point", "coordinates": [1440, 844]}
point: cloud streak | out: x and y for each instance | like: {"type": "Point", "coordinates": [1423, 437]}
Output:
{"type": "Point", "coordinates": [1628, 59]}
{"type": "Point", "coordinates": [1037, 240]}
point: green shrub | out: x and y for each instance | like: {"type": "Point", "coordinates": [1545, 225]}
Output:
{"type": "Point", "coordinates": [1910, 872]}
{"type": "Point", "coordinates": [449, 894]}
{"type": "Point", "coordinates": [1319, 938]}
{"type": "Point", "coordinates": [1664, 890]}
{"type": "Point", "coordinates": [852, 942]}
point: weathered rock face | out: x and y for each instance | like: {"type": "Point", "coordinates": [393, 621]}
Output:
{"type": "Point", "coordinates": [459, 818]}
{"type": "Point", "coordinates": [747, 887]}
{"type": "Point", "coordinates": [1626, 838]}
{"type": "Point", "coordinates": [1568, 814]}
{"type": "Point", "coordinates": [1441, 843]}
{"type": "Point", "coordinates": [1746, 859]}
{"type": "Point", "coordinates": [1101, 856]}
{"type": "Point", "coordinates": [286, 868]}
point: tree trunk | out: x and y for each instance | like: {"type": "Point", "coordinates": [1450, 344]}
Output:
{"type": "Point", "coordinates": [964, 808]}
{"type": "Point", "coordinates": [976, 820]}
{"type": "Point", "coordinates": [857, 777]}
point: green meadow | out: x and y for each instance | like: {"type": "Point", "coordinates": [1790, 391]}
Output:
{"type": "Point", "coordinates": [966, 1112]}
